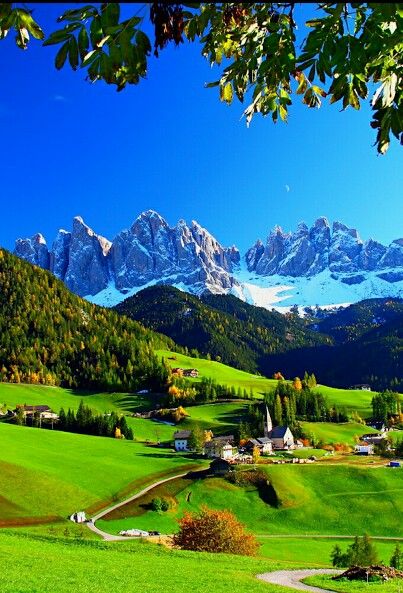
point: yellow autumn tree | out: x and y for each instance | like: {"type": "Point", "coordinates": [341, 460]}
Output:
{"type": "Point", "coordinates": [297, 384]}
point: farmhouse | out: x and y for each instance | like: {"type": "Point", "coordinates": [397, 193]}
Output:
{"type": "Point", "coordinates": [373, 438]}
{"type": "Point", "coordinates": [44, 412]}
{"type": "Point", "coordinates": [364, 448]}
{"type": "Point", "coordinates": [379, 425]}
{"type": "Point", "coordinates": [220, 447]}
{"type": "Point", "coordinates": [264, 444]}
{"type": "Point", "coordinates": [190, 373]}
{"type": "Point", "coordinates": [361, 387]}
{"type": "Point", "coordinates": [181, 438]}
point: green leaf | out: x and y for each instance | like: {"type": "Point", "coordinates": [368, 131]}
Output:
{"type": "Point", "coordinates": [57, 37]}
{"type": "Point", "coordinates": [83, 42]}
{"type": "Point", "coordinates": [110, 15]}
{"type": "Point", "coordinates": [62, 55]}
{"type": "Point", "coordinates": [96, 33]}
{"type": "Point", "coordinates": [32, 26]}
{"type": "Point", "coordinates": [73, 53]}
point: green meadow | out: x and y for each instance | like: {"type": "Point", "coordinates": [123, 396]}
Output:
{"type": "Point", "coordinates": [345, 586]}
{"type": "Point", "coordinates": [50, 474]}
{"type": "Point", "coordinates": [351, 400]}
{"type": "Point", "coordinates": [52, 565]}
{"type": "Point", "coordinates": [330, 432]}
{"type": "Point", "coordinates": [303, 499]}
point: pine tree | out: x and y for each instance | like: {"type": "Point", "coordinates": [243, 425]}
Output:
{"type": "Point", "coordinates": [396, 560]}
{"type": "Point", "coordinates": [278, 414]}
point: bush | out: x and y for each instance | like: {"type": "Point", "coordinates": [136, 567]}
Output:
{"type": "Point", "coordinates": [160, 505]}
{"type": "Point", "coordinates": [214, 531]}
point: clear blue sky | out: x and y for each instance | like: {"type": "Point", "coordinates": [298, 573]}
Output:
{"type": "Point", "coordinates": [71, 147]}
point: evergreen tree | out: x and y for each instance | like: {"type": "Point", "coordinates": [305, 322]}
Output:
{"type": "Point", "coordinates": [278, 412]}
{"type": "Point", "coordinates": [396, 560]}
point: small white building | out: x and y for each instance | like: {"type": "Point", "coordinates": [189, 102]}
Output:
{"type": "Point", "coordinates": [181, 438]}
{"type": "Point", "coordinates": [78, 517]}
{"type": "Point", "coordinates": [364, 449]}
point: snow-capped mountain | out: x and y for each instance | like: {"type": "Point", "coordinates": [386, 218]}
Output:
{"type": "Point", "coordinates": [318, 265]}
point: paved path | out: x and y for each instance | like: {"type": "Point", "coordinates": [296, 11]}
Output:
{"type": "Point", "coordinates": [108, 536]}
{"type": "Point", "coordinates": [292, 578]}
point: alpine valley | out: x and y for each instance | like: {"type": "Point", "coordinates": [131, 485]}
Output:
{"type": "Point", "coordinates": [325, 265]}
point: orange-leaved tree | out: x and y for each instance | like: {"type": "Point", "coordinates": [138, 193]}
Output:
{"type": "Point", "coordinates": [214, 531]}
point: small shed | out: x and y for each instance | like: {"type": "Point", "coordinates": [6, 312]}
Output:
{"type": "Point", "coordinates": [220, 467]}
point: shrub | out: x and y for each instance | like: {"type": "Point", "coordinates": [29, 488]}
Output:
{"type": "Point", "coordinates": [160, 505]}
{"type": "Point", "coordinates": [214, 531]}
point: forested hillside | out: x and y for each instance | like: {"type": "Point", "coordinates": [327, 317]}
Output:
{"type": "Point", "coordinates": [346, 325]}
{"type": "Point", "coordinates": [221, 326]}
{"type": "Point", "coordinates": [49, 335]}
{"type": "Point", "coordinates": [362, 343]}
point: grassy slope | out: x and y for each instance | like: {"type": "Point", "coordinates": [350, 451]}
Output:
{"type": "Point", "coordinates": [343, 398]}
{"type": "Point", "coordinates": [54, 566]}
{"type": "Point", "coordinates": [315, 499]}
{"type": "Point", "coordinates": [330, 432]}
{"type": "Point", "coordinates": [345, 586]}
{"type": "Point", "coordinates": [50, 473]}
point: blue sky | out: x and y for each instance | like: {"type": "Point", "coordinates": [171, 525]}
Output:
{"type": "Point", "coordinates": [70, 147]}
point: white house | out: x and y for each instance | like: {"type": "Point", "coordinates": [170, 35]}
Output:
{"type": "Point", "coordinates": [364, 449]}
{"type": "Point", "coordinates": [181, 438]}
{"type": "Point", "coordinates": [221, 447]}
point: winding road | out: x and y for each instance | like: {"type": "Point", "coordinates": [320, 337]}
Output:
{"type": "Point", "coordinates": [292, 578]}
{"type": "Point", "coordinates": [112, 538]}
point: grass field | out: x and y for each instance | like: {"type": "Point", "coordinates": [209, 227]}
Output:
{"type": "Point", "coordinates": [345, 586]}
{"type": "Point", "coordinates": [46, 473]}
{"type": "Point", "coordinates": [330, 432]}
{"type": "Point", "coordinates": [60, 566]}
{"type": "Point", "coordinates": [314, 499]}
{"type": "Point", "coordinates": [313, 551]}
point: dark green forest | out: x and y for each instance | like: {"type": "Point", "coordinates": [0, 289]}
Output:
{"type": "Point", "coordinates": [50, 336]}
{"type": "Point", "coordinates": [362, 343]}
{"type": "Point", "coordinates": [223, 327]}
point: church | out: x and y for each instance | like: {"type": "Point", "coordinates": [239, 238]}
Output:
{"type": "Point", "coordinates": [280, 436]}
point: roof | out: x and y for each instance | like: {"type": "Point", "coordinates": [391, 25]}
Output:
{"type": "Point", "coordinates": [36, 408]}
{"type": "Point", "coordinates": [278, 432]}
{"type": "Point", "coordinates": [224, 439]}
{"type": "Point", "coordinates": [264, 440]}
{"type": "Point", "coordinates": [182, 434]}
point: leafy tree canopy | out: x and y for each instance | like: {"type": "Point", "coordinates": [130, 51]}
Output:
{"type": "Point", "coordinates": [349, 48]}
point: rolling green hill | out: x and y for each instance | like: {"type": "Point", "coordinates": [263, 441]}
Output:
{"type": "Point", "coordinates": [350, 399]}
{"type": "Point", "coordinates": [47, 475]}
{"type": "Point", "coordinates": [312, 499]}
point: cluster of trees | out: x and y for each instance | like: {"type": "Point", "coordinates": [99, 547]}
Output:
{"type": "Point", "coordinates": [385, 405]}
{"type": "Point", "coordinates": [50, 336]}
{"type": "Point", "coordinates": [362, 552]}
{"type": "Point", "coordinates": [298, 401]}
{"type": "Point", "coordinates": [214, 531]}
{"type": "Point", "coordinates": [85, 421]}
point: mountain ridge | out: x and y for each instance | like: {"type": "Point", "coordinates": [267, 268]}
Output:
{"type": "Point", "coordinates": [190, 258]}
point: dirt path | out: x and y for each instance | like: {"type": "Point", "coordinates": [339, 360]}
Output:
{"type": "Point", "coordinates": [108, 536]}
{"type": "Point", "coordinates": [292, 578]}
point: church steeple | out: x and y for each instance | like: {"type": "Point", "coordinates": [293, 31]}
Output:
{"type": "Point", "coordinates": [268, 424]}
